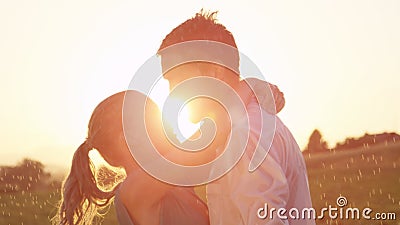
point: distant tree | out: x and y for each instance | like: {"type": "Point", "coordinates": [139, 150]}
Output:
{"type": "Point", "coordinates": [316, 143]}
{"type": "Point", "coordinates": [33, 174]}
{"type": "Point", "coordinates": [26, 176]}
{"type": "Point", "coordinates": [368, 140]}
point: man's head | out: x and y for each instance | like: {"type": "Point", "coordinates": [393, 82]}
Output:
{"type": "Point", "coordinates": [202, 27]}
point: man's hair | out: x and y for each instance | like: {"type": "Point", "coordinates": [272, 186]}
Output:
{"type": "Point", "coordinates": [203, 26]}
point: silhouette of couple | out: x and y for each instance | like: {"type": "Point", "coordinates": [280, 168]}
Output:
{"type": "Point", "coordinates": [235, 197]}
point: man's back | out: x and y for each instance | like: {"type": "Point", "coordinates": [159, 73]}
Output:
{"type": "Point", "coordinates": [280, 181]}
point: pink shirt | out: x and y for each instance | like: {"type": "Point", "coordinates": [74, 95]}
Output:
{"type": "Point", "coordinates": [240, 196]}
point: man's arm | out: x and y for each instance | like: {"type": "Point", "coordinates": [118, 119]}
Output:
{"type": "Point", "coordinates": [269, 96]}
{"type": "Point", "coordinates": [267, 185]}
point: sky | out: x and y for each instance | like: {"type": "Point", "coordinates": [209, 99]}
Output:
{"type": "Point", "coordinates": [337, 62]}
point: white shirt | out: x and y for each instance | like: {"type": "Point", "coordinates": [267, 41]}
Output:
{"type": "Point", "coordinates": [280, 181]}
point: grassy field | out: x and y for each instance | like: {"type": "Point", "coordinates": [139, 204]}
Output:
{"type": "Point", "coordinates": [35, 208]}
{"type": "Point", "coordinates": [367, 177]}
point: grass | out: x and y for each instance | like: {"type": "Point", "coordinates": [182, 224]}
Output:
{"type": "Point", "coordinates": [27, 208]}
{"type": "Point", "coordinates": [35, 208]}
{"type": "Point", "coordinates": [367, 177]}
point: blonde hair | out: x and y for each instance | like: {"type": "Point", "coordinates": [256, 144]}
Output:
{"type": "Point", "coordinates": [81, 195]}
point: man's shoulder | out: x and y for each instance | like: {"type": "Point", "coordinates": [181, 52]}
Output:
{"type": "Point", "coordinates": [282, 130]}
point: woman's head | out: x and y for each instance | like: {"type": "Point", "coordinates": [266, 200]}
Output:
{"type": "Point", "coordinates": [105, 131]}
{"type": "Point", "coordinates": [81, 194]}
{"type": "Point", "coordinates": [106, 126]}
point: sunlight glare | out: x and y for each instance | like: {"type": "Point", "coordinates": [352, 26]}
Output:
{"type": "Point", "coordinates": [159, 94]}
{"type": "Point", "coordinates": [186, 127]}
{"type": "Point", "coordinates": [97, 159]}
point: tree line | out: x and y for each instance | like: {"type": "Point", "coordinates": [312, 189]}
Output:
{"type": "Point", "coordinates": [27, 175]}
{"type": "Point", "coordinates": [30, 175]}
{"type": "Point", "coordinates": [317, 144]}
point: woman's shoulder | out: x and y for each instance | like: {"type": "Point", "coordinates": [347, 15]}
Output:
{"type": "Point", "coordinates": [125, 190]}
{"type": "Point", "coordinates": [180, 205]}
{"type": "Point", "coordinates": [141, 186]}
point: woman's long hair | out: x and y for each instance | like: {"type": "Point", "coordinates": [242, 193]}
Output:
{"type": "Point", "coordinates": [80, 192]}
{"type": "Point", "coordinates": [81, 195]}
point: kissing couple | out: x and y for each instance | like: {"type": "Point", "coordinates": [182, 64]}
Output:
{"type": "Point", "coordinates": [243, 153]}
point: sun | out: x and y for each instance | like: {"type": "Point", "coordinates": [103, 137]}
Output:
{"type": "Point", "coordinates": [186, 127]}
{"type": "Point", "coordinates": [183, 124]}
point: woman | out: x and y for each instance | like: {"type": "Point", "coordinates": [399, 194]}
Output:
{"type": "Point", "coordinates": [139, 199]}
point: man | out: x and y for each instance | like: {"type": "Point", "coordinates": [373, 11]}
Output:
{"type": "Point", "coordinates": [240, 196]}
